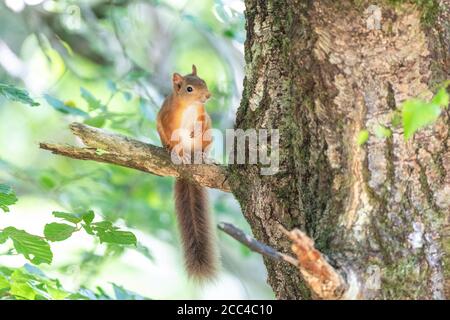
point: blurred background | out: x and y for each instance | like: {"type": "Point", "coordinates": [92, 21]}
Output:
{"type": "Point", "coordinates": [109, 64]}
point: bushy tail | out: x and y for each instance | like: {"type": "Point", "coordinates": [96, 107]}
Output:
{"type": "Point", "coordinates": [191, 204]}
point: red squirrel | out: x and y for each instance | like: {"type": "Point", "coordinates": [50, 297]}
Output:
{"type": "Point", "coordinates": [184, 110]}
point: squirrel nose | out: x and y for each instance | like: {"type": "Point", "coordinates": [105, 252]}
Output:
{"type": "Point", "coordinates": [208, 95]}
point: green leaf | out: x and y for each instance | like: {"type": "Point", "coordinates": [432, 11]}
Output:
{"type": "Point", "coordinates": [15, 94]}
{"type": "Point", "coordinates": [47, 181]}
{"type": "Point", "coordinates": [106, 232]}
{"type": "Point", "coordinates": [34, 248]}
{"type": "Point", "coordinates": [3, 237]}
{"type": "Point", "coordinates": [22, 290]}
{"type": "Point", "coordinates": [229, 33]}
{"type": "Point", "coordinates": [117, 237]}
{"type": "Point", "coordinates": [21, 275]}
{"type": "Point", "coordinates": [63, 107]}
{"type": "Point", "coordinates": [93, 103]}
{"type": "Point", "coordinates": [56, 293]}
{"type": "Point", "coordinates": [20, 286]}
{"type": "Point", "coordinates": [24, 283]}
{"type": "Point", "coordinates": [77, 296]}
{"type": "Point", "coordinates": [363, 136]}
{"type": "Point", "coordinates": [441, 98]}
{"type": "Point", "coordinates": [88, 217]}
{"type": "Point", "coordinates": [97, 122]}
{"type": "Point", "coordinates": [382, 131]}
{"type": "Point", "coordinates": [71, 217]}
{"type": "Point", "coordinates": [7, 197]}
{"type": "Point", "coordinates": [103, 225]}
{"type": "Point", "coordinates": [6, 271]}
{"type": "Point", "coordinates": [88, 229]}
{"type": "Point", "coordinates": [4, 283]}
{"type": "Point", "coordinates": [58, 231]}
{"type": "Point", "coordinates": [101, 294]}
{"type": "Point", "coordinates": [417, 114]}
{"type": "Point", "coordinates": [29, 282]}
{"type": "Point", "coordinates": [110, 234]}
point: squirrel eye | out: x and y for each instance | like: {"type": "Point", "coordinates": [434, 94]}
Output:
{"type": "Point", "coordinates": [189, 89]}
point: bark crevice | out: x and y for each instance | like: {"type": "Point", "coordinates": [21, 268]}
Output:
{"type": "Point", "coordinates": [377, 211]}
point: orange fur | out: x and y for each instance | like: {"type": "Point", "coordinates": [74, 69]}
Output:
{"type": "Point", "coordinates": [182, 109]}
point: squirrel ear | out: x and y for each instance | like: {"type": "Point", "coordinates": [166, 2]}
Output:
{"type": "Point", "coordinates": [194, 70]}
{"type": "Point", "coordinates": [177, 79]}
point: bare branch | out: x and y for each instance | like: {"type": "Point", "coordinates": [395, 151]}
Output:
{"type": "Point", "coordinates": [254, 244]}
{"type": "Point", "coordinates": [323, 280]}
{"type": "Point", "coordinates": [107, 147]}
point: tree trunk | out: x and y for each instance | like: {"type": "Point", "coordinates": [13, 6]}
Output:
{"type": "Point", "coordinates": [318, 72]}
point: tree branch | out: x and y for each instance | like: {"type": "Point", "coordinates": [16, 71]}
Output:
{"type": "Point", "coordinates": [107, 147]}
{"type": "Point", "coordinates": [254, 244]}
{"type": "Point", "coordinates": [324, 281]}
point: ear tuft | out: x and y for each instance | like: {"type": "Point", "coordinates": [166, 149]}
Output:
{"type": "Point", "coordinates": [177, 78]}
{"type": "Point", "coordinates": [194, 70]}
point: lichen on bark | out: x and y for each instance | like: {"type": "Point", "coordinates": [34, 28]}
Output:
{"type": "Point", "coordinates": [319, 75]}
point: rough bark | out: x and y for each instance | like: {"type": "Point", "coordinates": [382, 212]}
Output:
{"type": "Point", "coordinates": [319, 75]}
{"type": "Point", "coordinates": [103, 146]}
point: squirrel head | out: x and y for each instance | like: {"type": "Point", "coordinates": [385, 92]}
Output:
{"type": "Point", "coordinates": [190, 88]}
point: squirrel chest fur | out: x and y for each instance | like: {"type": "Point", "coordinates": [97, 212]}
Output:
{"type": "Point", "coordinates": [182, 121]}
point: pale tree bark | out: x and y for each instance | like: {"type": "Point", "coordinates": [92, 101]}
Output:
{"type": "Point", "coordinates": [103, 146]}
{"type": "Point", "coordinates": [379, 212]}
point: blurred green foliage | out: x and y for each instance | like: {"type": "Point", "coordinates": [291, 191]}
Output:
{"type": "Point", "coordinates": [15, 94]}
{"type": "Point", "coordinates": [7, 197]}
{"type": "Point", "coordinates": [30, 283]}
{"type": "Point", "coordinates": [109, 64]}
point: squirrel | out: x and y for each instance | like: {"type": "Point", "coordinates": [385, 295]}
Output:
{"type": "Point", "coordinates": [184, 110]}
